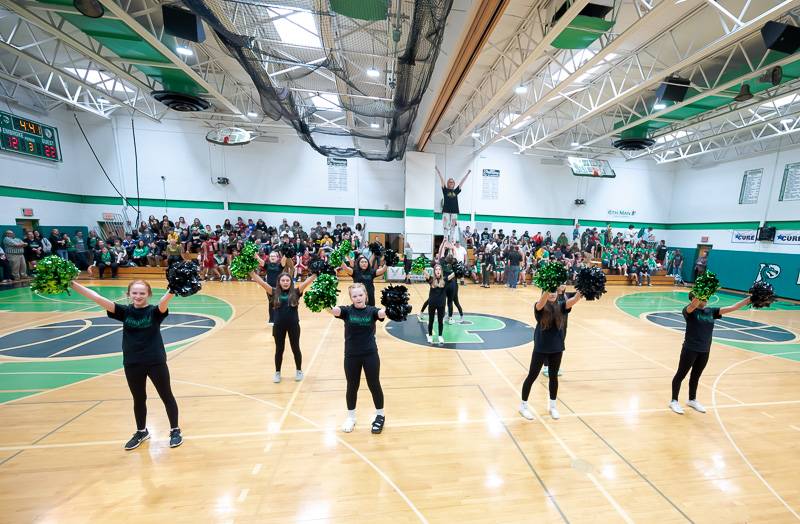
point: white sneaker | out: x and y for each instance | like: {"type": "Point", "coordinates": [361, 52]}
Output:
{"type": "Point", "coordinates": [298, 375]}
{"type": "Point", "coordinates": [429, 338]}
{"type": "Point", "coordinates": [450, 320]}
{"type": "Point", "coordinates": [554, 414]}
{"type": "Point", "coordinates": [526, 412]}
{"type": "Point", "coordinates": [695, 405]}
{"type": "Point", "coordinates": [276, 378]}
{"type": "Point", "coordinates": [676, 407]}
{"type": "Point", "coordinates": [461, 320]}
{"type": "Point", "coordinates": [441, 340]}
{"type": "Point", "coordinates": [349, 424]}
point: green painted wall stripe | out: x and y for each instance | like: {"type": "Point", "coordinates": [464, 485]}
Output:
{"type": "Point", "coordinates": [784, 224]}
{"type": "Point", "coordinates": [53, 196]}
{"type": "Point", "coordinates": [275, 208]}
{"type": "Point", "coordinates": [383, 213]}
{"type": "Point", "coordinates": [714, 225]}
{"type": "Point", "coordinates": [416, 212]}
{"type": "Point", "coordinates": [461, 216]}
{"type": "Point", "coordinates": [523, 220]}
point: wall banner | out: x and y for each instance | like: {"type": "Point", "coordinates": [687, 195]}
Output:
{"type": "Point", "coordinates": [787, 237]}
{"type": "Point", "coordinates": [744, 236]}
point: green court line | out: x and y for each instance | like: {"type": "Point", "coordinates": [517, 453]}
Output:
{"type": "Point", "coordinates": [637, 304]}
{"type": "Point", "coordinates": [48, 374]}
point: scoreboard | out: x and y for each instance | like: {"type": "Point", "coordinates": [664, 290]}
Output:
{"type": "Point", "coordinates": [26, 137]}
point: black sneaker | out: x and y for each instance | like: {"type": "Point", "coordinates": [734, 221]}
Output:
{"type": "Point", "coordinates": [175, 438]}
{"type": "Point", "coordinates": [137, 439]}
{"type": "Point", "coordinates": [377, 424]}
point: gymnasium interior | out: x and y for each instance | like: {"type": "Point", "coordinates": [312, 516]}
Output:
{"type": "Point", "coordinates": [635, 151]}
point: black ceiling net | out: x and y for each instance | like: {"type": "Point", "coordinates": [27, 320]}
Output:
{"type": "Point", "coordinates": [320, 88]}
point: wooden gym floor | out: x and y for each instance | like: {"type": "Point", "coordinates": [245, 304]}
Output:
{"type": "Point", "coordinates": [454, 448]}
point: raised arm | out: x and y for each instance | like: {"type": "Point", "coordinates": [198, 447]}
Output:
{"type": "Point", "coordinates": [382, 313]}
{"type": "Point", "coordinates": [441, 178]}
{"type": "Point", "coordinates": [465, 178]}
{"type": "Point", "coordinates": [574, 300]}
{"type": "Point", "coordinates": [95, 297]}
{"type": "Point", "coordinates": [739, 305]}
{"type": "Point", "coordinates": [307, 282]}
{"type": "Point", "coordinates": [381, 270]}
{"type": "Point", "coordinates": [694, 304]}
{"type": "Point", "coordinates": [335, 311]}
{"type": "Point", "coordinates": [163, 304]}
{"type": "Point", "coordinates": [260, 281]}
{"type": "Point", "coordinates": [347, 269]}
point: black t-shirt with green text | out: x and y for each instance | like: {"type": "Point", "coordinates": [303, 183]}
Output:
{"type": "Point", "coordinates": [450, 203]}
{"type": "Point", "coordinates": [699, 328]}
{"type": "Point", "coordinates": [141, 334]}
{"type": "Point", "coordinates": [359, 330]}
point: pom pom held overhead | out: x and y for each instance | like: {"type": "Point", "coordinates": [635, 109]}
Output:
{"type": "Point", "coordinates": [53, 276]}
{"type": "Point", "coordinates": [550, 276]}
{"type": "Point", "coordinates": [246, 262]}
{"type": "Point", "coordinates": [705, 285]}
{"type": "Point", "coordinates": [762, 295]}
{"type": "Point", "coordinates": [322, 293]}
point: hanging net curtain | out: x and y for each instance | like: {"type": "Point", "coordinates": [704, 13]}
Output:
{"type": "Point", "coordinates": [319, 85]}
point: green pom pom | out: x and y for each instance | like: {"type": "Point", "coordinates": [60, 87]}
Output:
{"type": "Point", "coordinates": [246, 262]}
{"type": "Point", "coordinates": [550, 276]}
{"type": "Point", "coordinates": [705, 285]}
{"type": "Point", "coordinates": [337, 255]}
{"type": "Point", "coordinates": [53, 275]}
{"type": "Point", "coordinates": [322, 293]}
{"type": "Point", "coordinates": [419, 265]}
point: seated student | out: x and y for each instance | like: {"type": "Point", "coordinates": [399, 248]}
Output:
{"type": "Point", "coordinates": [644, 271]}
{"type": "Point", "coordinates": [613, 265]}
{"type": "Point", "coordinates": [634, 271]}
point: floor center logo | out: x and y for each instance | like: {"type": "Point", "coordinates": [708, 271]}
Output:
{"type": "Point", "coordinates": [478, 332]}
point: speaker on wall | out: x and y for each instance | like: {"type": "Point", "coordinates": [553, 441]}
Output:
{"type": "Point", "coordinates": [673, 88]}
{"type": "Point", "coordinates": [766, 233]}
{"type": "Point", "coordinates": [781, 37]}
{"type": "Point", "coordinates": [182, 23]}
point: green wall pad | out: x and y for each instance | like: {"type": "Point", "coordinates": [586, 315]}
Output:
{"type": "Point", "coordinates": [361, 9]}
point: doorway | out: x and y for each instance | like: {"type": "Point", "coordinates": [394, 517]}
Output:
{"type": "Point", "coordinates": [701, 259]}
{"type": "Point", "coordinates": [27, 224]}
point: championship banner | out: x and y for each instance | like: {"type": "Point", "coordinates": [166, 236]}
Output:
{"type": "Point", "coordinates": [744, 237]}
{"type": "Point", "coordinates": [787, 237]}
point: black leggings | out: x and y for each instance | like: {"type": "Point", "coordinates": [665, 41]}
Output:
{"type": "Point", "coordinates": [694, 360]}
{"type": "Point", "coordinates": [101, 268]}
{"type": "Point", "coordinates": [486, 276]}
{"type": "Point", "coordinates": [137, 374]}
{"type": "Point", "coordinates": [280, 332]}
{"type": "Point", "coordinates": [424, 306]}
{"type": "Point", "coordinates": [451, 289]}
{"type": "Point", "coordinates": [372, 369]}
{"type": "Point", "coordinates": [370, 294]}
{"type": "Point", "coordinates": [537, 361]}
{"type": "Point", "coordinates": [438, 311]}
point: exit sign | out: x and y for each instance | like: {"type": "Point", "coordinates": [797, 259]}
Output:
{"type": "Point", "coordinates": [27, 211]}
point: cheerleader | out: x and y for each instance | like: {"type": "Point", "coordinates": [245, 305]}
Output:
{"type": "Point", "coordinates": [436, 300]}
{"type": "Point", "coordinates": [364, 273]}
{"type": "Point", "coordinates": [286, 318]}
{"type": "Point", "coordinates": [562, 298]}
{"type": "Point", "coordinates": [143, 354]}
{"type": "Point", "coordinates": [274, 266]}
{"type": "Point", "coordinates": [548, 346]}
{"type": "Point", "coordinates": [361, 352]}
{"type": "Point", "coordinates": [697, 347]}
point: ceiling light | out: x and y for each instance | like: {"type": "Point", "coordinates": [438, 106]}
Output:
{"type": "Point", "coordinates": [659, 106]}
{"type": "Point", "coordinates": [251, 114]}
{"type": "Point", "coordinates": [476, 135]}
{"type": "Point", "coordinates": [373, 125]}
{"type": "Point", "coordinates": [184, 51]}
{"type": "Point", "coordinates": [295, 26]}
{"type": "Point", "coordinates": [575, 144]}
{"type": "Point", "coordinates": [327, 102]}
{"type": "Point", "coordinates": [787, 121]}
{"type": "Point", "coordinates": [99, 79]}
{"type": "Point", "coordinates": [103, 100]}
{"type": "Point", "coordinates": [373, 73]}
{"type": "Point", "coordinates": [90, 8]}
{"type": "Point", "coordinates": [520, 90]}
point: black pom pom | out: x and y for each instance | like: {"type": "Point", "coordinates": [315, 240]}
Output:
{"type": "Point", "coordinates": [762, 295]}
{"type": "Point", "coordinates": [183, 278]}
{"type": "Point", "coordinates": [320, 267]}
{"type": "Point", "coordinates": [591, 282]}
{"type": "Point", "coordinates": [376, 248]}
{"type": "Point", "coordinates": [395, 300]}
{"type": "Point", "coordinates": [460, 270]}
{"type": "Point", "coordinates": [287, 250]}
{"type": "Point", "coordinates": [390, 257]}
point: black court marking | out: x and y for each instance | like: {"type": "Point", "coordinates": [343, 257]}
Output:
{"type": "Point", "coordinates": [728, 328]}
{"type": "Point", "coordinates": [478, 332]}
{"type": "Point", "coordinates": [92, 336]}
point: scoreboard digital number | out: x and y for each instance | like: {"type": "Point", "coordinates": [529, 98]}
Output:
{"type": "Point", "coordinates": [26, 137]}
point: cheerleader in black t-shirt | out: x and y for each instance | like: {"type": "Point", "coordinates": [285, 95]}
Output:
{"type": "Point", "coordinates": [143, 354]}
{"type": "Point", "coordinates": [285, 318]}
{"type": "Point", "coordinates": [361, 352]}
{"type": "Point", "coordinates": [275, 265]}
{"type": "Point", "coordinates": [436, 300]}
{"type": "Point", "coordinates": [450, 205]}
{"type": "Point", "coordinates": [697, 347]}
{"type": "Point", "coordinates": [562, 297]}
{"type": "Point", "coordinates": [548, 346]}
{"type": "Point", "coordinates": [363, 273]}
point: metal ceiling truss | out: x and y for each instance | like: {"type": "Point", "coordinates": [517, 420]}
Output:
{"type": "Point", "coordinates": [524, 50]}
{"type": "Point", "coordinates": [143, 17]}
{"type": "Point", "coordinates": [624, 92]}
{"type": "Point", "coordinates": [568, 70]}
{"type": "Point", "coordinates": [765, 143]}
